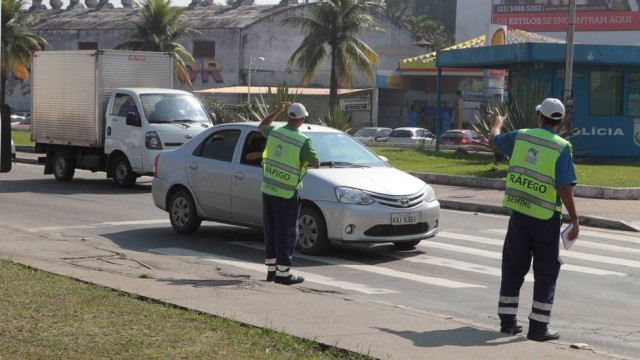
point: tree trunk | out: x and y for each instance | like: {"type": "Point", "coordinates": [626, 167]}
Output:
{"type": "Point", "coordinates": [3, 86]}
{"type": "Point", "coordinates": [333, 83]}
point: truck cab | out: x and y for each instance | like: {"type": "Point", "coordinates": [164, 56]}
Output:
{"type": "Point", "coordinates": [141, 122]}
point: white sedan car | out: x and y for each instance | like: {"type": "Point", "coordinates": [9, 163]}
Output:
{"type": "Point", "coordinates": [410, 135]}
{"type": "Point", "coordinates": [355, 196]}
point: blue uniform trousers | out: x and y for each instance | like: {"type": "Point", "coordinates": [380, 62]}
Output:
{"type": "Point", "coordinates": [528, 238]}
{"type": "Point", "coordinates": [280, 218]}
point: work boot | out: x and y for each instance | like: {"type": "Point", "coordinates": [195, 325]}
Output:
{"type": "Point", "coordinates": [271, 276]}
{"type": "Point", "coordinates": [289, 280]}
{"type": "Point", "coordinates": [544, 335]}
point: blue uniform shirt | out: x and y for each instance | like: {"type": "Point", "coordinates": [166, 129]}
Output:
{"type": "Point", "coordinates": [565, 170]}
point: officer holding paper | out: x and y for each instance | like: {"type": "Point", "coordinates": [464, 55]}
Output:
{"type": "Point", "coordinates": [540, 179]}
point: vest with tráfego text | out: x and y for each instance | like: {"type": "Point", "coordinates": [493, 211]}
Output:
{"type": "Point", "coordinates": [282, 171]}
{"type": "Point", "coordinates": [531, 181]}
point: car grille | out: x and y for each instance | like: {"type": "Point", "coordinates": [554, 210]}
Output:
{"type": "Point", "coordinates": [400, 202]}
{"type": "Point", "coordinates": [397, 230]}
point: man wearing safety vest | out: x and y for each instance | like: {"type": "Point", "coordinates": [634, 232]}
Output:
{"type": "Point", "coordinates": [540, 179]}
{"type": "Point", "coordinates": [286, 157]}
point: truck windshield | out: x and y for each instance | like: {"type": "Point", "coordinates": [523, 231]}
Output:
{"type": "Point", "coordinates": [160, 108]}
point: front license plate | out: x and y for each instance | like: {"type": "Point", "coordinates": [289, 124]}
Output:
{"type": "Point", "coordinates": [405, 218]}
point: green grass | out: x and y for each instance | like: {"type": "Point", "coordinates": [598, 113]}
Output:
{"type": "Point", "coordinates": [46, 316]}
{"type": "Point", "coordinates": [594, 172]}
{"type": "Point", "coordinates": [21, 137]}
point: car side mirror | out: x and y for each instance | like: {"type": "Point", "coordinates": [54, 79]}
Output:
{"type": "Point", "coordinates": [133, 119]}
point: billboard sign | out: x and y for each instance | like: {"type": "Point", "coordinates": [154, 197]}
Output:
{"type": "Point", "coordinates": [553, 16]}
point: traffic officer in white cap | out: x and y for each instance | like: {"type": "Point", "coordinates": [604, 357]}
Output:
{"type": "Point", "coordinates": [540, 180]}
{"type": "Point", "coordinates": [287, 155]}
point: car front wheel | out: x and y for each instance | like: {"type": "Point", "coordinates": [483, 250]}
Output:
{"type": "Point", "coordinates": [313, 232]}
{"type": "Point", "coordinates": [183, 214]}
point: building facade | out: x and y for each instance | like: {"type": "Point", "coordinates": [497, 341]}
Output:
{"type": "Point", "coordinates": [230, 41]}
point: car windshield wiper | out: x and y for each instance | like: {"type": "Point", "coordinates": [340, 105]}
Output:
{"type": "Point", "coordinates": [342, 164]}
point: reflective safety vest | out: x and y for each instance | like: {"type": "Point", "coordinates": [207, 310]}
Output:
{"type": "Point", "coordinates": [531, 181]}
{"type": "Point", "coordinates": [282, 171]}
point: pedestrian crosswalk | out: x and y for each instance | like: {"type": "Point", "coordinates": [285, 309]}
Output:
{"type": "Point", "coordinates": [451, 255]}
{"type": "Point", "coordinates": [453, 259]}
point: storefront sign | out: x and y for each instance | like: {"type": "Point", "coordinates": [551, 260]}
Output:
{"type": "Point", "coordinates": [359, 103]}
{"type": "Point", "coordinates": [616, 15]}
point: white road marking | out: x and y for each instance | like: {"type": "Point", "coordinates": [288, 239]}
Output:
{"type": "Point", "coordinates": [458, 265]}
{"type": "Point", "coordinates": [498, 255]}
{"type": "Point", "coordinates": [261, 268]}
{"type": "Point", "coordinates": [565, 254]}
{"type": "Point", "coordinates": [99, 225]}
{"type": "Point", "coordinates": [382, 271]}
{"type": "Point", "coordinates": [604, 234]}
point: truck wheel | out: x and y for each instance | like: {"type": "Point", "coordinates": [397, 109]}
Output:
{"type": "Point", "coordinates": [183, 214]}
{"type": "Point", "coordinates": [122, 174]}
{"type": "Point", "coordinates": [313, 232]}
{"type": "Point", "coordinates": [63, 166]}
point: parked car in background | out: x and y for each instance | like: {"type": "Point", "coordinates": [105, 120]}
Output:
{"type": "Point", "coordinates": [354, 197]}
{"type": "Point", "coordinates": [368, 134]}
{"type": "Point", "coordinates": [23, 123]}
{"type": "Point", "coordinates": [462, 139]}
{"type": "Point", "coordinates": [411, 135]}
{"type": "Point", "coordinates": [15, 118]}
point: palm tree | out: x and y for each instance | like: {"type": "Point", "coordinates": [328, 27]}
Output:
{"type": "Point", "coordinates": [160, 28]}
{"type": "Point", "coordinates": [332, 31]}
{"type": "Point", "coordinates": [17, 42]}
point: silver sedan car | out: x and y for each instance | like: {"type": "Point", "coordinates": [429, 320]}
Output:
{"type": "Point", "coordinates": [355, 196]}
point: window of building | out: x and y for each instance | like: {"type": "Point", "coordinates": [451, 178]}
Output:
{"type": "Point", "coordinates": [634, 94]}
{"type": "Point", "coordinates": [88, 45]}
{"type": "Point", "coordinates": [204, 49]}
{"type": "Point", "coordinates": [606, 93]}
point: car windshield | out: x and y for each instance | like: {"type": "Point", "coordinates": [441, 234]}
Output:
{"type": "Point", "coordinates": [343, 149]}
{"type": "Point", "coordinates": [159, 108]}
{"type": "Point", "coordinates": [401, 133]}
{"type": "Point", "coordinates": [365, 132]}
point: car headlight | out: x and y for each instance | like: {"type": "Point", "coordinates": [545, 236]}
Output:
{"type": "Point", "coordinates": [429, 194]}
{"type": "Point", "coordinates": [152, 141]}
{"type": "Point", "coordinates": [347, 195]}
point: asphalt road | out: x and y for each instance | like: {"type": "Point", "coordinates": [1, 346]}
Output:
{"type": "Point", "coordinates": [456, 273]}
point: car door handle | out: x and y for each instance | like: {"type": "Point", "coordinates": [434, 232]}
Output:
{"type": "Point", "coordinates": [193, 166]}
{"type": "Point", "coordinates": [238, 175]}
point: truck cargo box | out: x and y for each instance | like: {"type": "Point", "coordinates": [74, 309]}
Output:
{"type": "Point", "coordinates": [70, 90]}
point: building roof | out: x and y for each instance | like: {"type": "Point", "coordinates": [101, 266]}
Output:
{"type": "Point", "coordinates": [239, 90]}
{"type": "Point", "coordinates": [501, 57]}
{"type": "Point", "coordinates": [427, 62]}
{"type": "Point", "coordinates": [200, 17]}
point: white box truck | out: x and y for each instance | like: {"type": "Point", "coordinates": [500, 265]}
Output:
{"type": "Point", "coordinates": [108, 110]}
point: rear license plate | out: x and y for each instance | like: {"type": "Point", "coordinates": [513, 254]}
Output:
{"type": "Point", "coordinates": [405, 218]}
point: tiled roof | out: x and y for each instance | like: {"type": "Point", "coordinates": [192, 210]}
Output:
{"type": "Point", "coordinates": [201, 17]}
{"type": "Point", "coordinates": [514, 36]}
{"type": "Point", "coordinates": [236, 90]}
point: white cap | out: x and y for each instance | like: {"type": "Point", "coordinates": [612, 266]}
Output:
{"type": "Point", "coordinates": [297, 111]}
{"type": "Point", "coordinates": [551, 108]}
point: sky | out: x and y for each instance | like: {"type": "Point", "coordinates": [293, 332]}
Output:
{"type": "Point", "coordinates": [117, 3]}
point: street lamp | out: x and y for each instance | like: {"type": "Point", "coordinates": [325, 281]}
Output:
{"type": "Point", "coordinates": [251, 70]}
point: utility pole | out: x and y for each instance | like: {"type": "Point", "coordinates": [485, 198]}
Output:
{"type": "Point", "coordinates": [251, 70]}
{"type": "Point", "coordinates": [568, 69]}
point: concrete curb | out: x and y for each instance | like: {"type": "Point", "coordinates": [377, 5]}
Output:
{"type": "Point", "coordinates": [593, 192]}
{"type": "Point", "coordinates": [586, 220]}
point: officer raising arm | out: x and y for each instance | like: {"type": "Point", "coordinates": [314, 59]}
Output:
{"type": "Point", "coordinates": [540, 179]}
{"type": "Point", "coordinates": [287, 155]}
